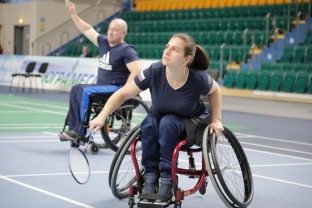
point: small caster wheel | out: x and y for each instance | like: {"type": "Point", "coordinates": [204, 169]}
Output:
{"type": "Point", "coordinates": [131, 202]}
{"type": "Point", "coordinates": [93, 148]}
{"type": "Point", "coordinates": [177, 204]}
{"type": "Point", "coordinates": [202, 188]}
{"type": "Point", "coordinates": [73, 144]}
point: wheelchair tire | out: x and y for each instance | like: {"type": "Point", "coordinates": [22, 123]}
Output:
{"type": "Point", "coordinates": [228, 168]}
{"type": "Point", "coordinates": [118, 124]}
{"type": "Point", "coordinates": [122, 172]}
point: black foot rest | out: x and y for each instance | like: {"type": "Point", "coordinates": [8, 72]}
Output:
{"type": "Point", "coordinates": [153, 197]}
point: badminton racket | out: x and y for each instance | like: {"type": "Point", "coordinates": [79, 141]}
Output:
{"type": "Point", "coordinates": [78, 163]}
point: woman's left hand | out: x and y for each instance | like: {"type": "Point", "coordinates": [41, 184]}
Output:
{"type": "Point", "coordinates": [217, 127]}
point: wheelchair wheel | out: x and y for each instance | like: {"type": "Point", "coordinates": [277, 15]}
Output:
{"type": "Point", "coordinates": [122, 173]}
{"type": "Point", "coordinates": [228, 168]}
{"type": "Point", "coordinates": [121, 121]}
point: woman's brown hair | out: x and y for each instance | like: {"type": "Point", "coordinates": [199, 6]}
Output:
{"type": "Point", "coordinates": [200, 59]}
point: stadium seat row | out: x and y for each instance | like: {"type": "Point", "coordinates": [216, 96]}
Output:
{"type": "Point", "coordinates": [245, 11]}
{"type": "Point", "coordinates": [205, 38]}
{"type": "Point", "coordinates": [155, 5]}
{"type": "Point", "coordinates": [297, 54]}
{"type": "Point", "coordinates": [298, 82]}
{"type": "Point", "coordinates": [207, 25]}
{"type": "Point", "coordinates": [286, 67]}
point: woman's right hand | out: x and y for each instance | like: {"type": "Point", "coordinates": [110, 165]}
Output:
{"type": "Point", "coordinates": [96, 124]}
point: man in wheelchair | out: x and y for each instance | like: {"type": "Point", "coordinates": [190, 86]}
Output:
{"type": "Point", "coordinates": [118, 63]}
{"type": "Point", "coordinates": [176, 84]}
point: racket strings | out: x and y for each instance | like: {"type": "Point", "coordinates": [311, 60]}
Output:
{"type": "Point", "coordinates": [79, 166]}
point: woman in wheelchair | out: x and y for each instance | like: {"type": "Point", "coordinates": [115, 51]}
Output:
{"type": "Point", "coordinates": [176, 84]}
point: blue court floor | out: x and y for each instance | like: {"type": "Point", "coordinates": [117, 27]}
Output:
{"type": "Point", "coordinates": [35, 173]}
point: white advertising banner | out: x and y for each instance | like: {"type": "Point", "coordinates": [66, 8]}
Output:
{"type": "Point", "coordinates": [62, 72]}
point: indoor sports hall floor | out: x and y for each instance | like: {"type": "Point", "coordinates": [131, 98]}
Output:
{"type": "Point", "coordinates": [276, 136]}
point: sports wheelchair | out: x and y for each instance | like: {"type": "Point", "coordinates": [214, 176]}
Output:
{"type": "Point", "coordinates": [116, 126]}
{"type": "Point", "coordinates": [222, 159]}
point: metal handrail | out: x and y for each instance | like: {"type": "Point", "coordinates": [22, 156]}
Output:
{"type": "Point", "coordinates": [221, 60]}
{"type": "Point", "coordinates": [60, 25]}
{"type": "Point", "coordinates": [298, 26]}
{"type": "Point", "coordinates": [244, 38]}
{"type": "Point", "coordinates": [275, 45]}
{"type": "Point", "coordinates": [267, 27]}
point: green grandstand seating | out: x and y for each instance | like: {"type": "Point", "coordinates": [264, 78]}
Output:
{"type": "Point", "coordinates": [288, 54]}
{"type": "Point", "coordinates": [236, 54]}
{"type": "Point", "coordinates": [276, 67]}
{"type": "Point", "coordinates": [301, 82]}
{"type": "Point", "coordinates": [287, 67]}
{"type": "Point", "coordinates": [276, 81]}
{"type": "Point", "coordinates": [241, 79]}
{"type": "Point", "coordinates": [70, 50]}
{"type": "Point", "coordinates": [309, 68]}
{"type": "Point", "coordinates": [230, 78]}
{"type": "Point", "coordinates": [220, 36]}
{"type": "Point", "coordinates": [299, 53]}
{"type": "Point", "coordinates": [252, 79]}
{"type": "Point", "coordinates": [300, 67]}
{"type": "Point", "coordinates": [309, 87]}
{"type": "Point", "coordinates": [264, 79]}
{"type": "Point", "coordinates": [288, 81]}
{"type": "Point", "coordinates": [308, 40]}
{"type": "Point", "coordinates": [308, 58]}
{"type": "Point", "coordinates": [229, 36]}
{"type": "Point", "coordinates": [266, 66]}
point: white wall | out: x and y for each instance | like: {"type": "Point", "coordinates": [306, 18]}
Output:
{"type": "Point", "coordinates": [54, 14]}
{"type": "Point", "coordinates": [1, 24]}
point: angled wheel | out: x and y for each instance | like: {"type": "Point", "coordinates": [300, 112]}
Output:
{"type": "Point", "coordinates": [228, 168]}
{"type": "Point", "coordinates": [93, 148]}
{"type": "Point", "coordinates": [121, 121]}
{"type": "Point", "coordinates": [122, 172]}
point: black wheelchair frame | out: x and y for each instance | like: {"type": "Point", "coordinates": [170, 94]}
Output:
{"type": "Point", "coordinates": [118, 123]}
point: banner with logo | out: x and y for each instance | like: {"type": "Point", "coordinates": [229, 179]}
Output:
{"type": "Point", "coordinates": [62, 72]}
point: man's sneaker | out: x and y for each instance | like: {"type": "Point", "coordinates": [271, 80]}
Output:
{"type": "Point", "coordinates": [62, 137]}
{"type": "Point", "coordinates": [165, 190]}
{"type": "Point", "coordinates": [150, 184]}
{"type": "Point", "coordinates": [70, 135]}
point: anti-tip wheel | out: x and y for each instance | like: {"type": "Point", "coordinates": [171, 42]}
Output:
{"type": "Point", "coordinates": [93, 148]}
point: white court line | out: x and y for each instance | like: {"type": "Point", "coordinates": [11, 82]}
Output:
{"type": "Point", "coordinates": [277, 154]}
{"type": "Point", "coordinates": [29, 141]}
{"type": "Point", "coordinates": [270, 178]}
{"type": "Point", "coordinates": [34, 109]}
{"type": "Point", "coordinates": [51, 174]}
{"type": "Point", "coordinates": [36, 104]}
{"type": "Point", "coordinates": [240, 135]}
{"type": "Point", "coordinates": [276, 148]}
{"type": "Point", "coordinates": [283, 181]}
{"type": "Point", "coordinates": [33, 127]}
{"type": "Point", "coordinates": [280, 165]}
{"type": "Point", "coordinates": [27, 125]}
{"type": "Point", "coordinates": [269, 165]}
{"type": "Point", "coordinates": [45, 105]}
{"type": "Point", "coordinates": [12, 112]}
{"type": "Point", "coordinates": [24, 137]}
{"type": "Point", "coordinates": [46, 192]}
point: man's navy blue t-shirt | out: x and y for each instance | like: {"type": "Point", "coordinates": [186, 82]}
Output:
{"type": "Point", "coordinates": [112, 67]}
{"type": "Point", "coordinates": [185, 101]}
